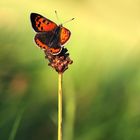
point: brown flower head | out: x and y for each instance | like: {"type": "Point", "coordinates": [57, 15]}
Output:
{"type": "Point", "coordinates": [60, 61]}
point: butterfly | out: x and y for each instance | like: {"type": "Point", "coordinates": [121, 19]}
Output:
{"type": "Point", "coordinates": [49, 36]}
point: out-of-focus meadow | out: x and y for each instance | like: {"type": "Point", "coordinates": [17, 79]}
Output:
{"type": "Point", "coordinates": [101, 88]}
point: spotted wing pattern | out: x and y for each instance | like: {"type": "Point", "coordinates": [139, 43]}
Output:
{"type": "Point", "coordinates": [41, 24]}
{"type": "Point", "coordinates": [64, 35]}
{"type": "Point", "coordinates": [43, 39]}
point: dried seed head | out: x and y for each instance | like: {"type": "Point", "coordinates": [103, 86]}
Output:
{"type": "Point", "coordinates": [59, 62]}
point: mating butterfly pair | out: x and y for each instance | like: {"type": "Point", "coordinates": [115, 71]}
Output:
{"type": "Point", "coordinates": [50, 36]}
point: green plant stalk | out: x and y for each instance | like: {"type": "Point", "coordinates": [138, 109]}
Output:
{"type": "Point", "coordinates": [60, 106]}
{"type": "Point", "coordinates": [16, 125]}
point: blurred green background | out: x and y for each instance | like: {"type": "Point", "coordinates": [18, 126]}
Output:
{"type": "Point", "coordinates": [101, 88]}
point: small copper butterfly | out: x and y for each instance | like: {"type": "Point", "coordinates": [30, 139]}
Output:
{"type": "Point", "coordinates": [50, 36]}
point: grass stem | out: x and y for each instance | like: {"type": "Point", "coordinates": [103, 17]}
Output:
{"type": "Point", "coordinates": [16, 125]}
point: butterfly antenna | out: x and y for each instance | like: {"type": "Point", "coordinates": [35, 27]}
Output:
{"type": "Point", "coordinates": [68, 20]}
{"type": "Point", "coordinates": [57, 16]}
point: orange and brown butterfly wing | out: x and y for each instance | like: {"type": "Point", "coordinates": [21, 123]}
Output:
{"type": "Point", "coordinates": [41, 24]}
{"type": "Point", "coordinates": [42, 40]}
{"type": "Point", "coordinates": [64, 35]}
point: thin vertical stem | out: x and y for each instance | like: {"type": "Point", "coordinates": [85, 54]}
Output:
{"type": "Point", "coordinates": [16, 124]}
{"type": "Point", "coordinates": [60, 106]}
